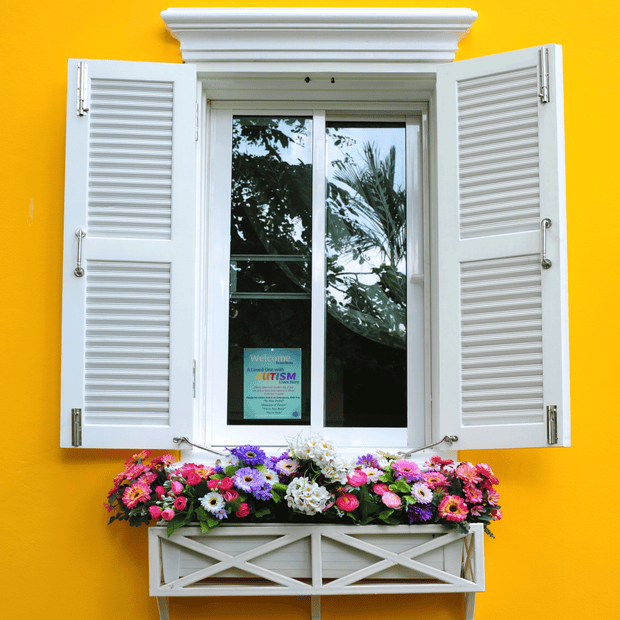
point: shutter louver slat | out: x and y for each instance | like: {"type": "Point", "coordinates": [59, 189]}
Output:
{"type": "Point", "coordinates": [113, 396]}
{"type": "Point", "coordinates": [130, 204]}
{"type": "Point", "coordinates": [512, 279]}
{"type": "Point", "coordinates": [481, 134]}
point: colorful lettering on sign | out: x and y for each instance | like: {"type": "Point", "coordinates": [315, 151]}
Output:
{"type": "Point", "coordinates": [275, 376]}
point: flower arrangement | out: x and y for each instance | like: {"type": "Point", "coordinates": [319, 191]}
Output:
{"type": "Point", "coordinates": [309, 482]}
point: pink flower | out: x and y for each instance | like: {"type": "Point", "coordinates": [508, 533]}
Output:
{"type": "Point", "coordinates": [146, 479]}
{"type": "Point", "coordinates": [204, 471]}
{"type": "Point", "coordinates": [167, 459]}
{"type": "Point", "coordinates": [357, 478]}
{"type": "Point", "coordinates": [226, 483]}
{"type": "Point", "coordinates": [406, 469]}
{"type": "Point", "coordinates": [391, 500]}
{"type": "Point", "coordinates": [180, 503]}
{"type": "Point", "coordinates": [380, 489]}
{"type": "Point", "coordinates": [244, 510]}
{"type": "Point", "coordinates": [141, 456]}
{"type": "Point", "coordinates": [452, 508]}
{"type": "Point", "coordinates": [155, 512]}
{"type": "Point", "coordinates": [230, 496]}
{"type": "Point", "coordinates": [496, 515]}
{"type": "Point", "coordinates": [160, 492]}
{"type": "Point", "coordinates": [136, 494]}
{"type": "Point", "coordinates": [437, 460]}
{"type": "Point", "coordinates": [468, 473]}
{"type": "Point", "coordinates": [492, 497]}
{"type": "Point", "coordinates": [135, 471]}
{"type": "Point", "coordinates": [187, 469]}
{"type": "Point", "coordinates": [167, 514]}
{"type": "Point", "coordinates": [473, 494]}
{"type": "Point", "coordinates": [486, 471]}
{"type": "Point", "coordinates": [433, 479]}
{"type": "Point", "coordinates": [213, 483]}
{"type": "Point", "coordinates": [476, 511]}
{"type": "Point", "coordinates": [347, 502]}
{"type": "Point", "coordinates": [193, 478]}
{"type": "Point", "coordinates": [176, 487]}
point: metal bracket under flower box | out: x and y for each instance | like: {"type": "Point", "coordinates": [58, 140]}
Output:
{"type": "Point", "coordinates": [315, 560]}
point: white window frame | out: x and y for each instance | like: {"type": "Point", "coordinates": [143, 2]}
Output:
{"type": "Point", "coordinates": [214, 295]}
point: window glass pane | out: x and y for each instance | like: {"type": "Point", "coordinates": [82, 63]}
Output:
{"type": "Point", "coordinates": [271, 228]}
{"type": "Point", "coordinates": [366, 339]}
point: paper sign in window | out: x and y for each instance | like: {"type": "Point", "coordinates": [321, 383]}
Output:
{"type": "Point", "coordinates": [272, 384]}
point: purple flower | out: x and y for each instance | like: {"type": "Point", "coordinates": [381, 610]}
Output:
{"type": "Point", "coordinates": [418, 513]}
{"type": "Point", "coordinates": [368, 460]}
{"type": "Point", "coordinates": [252, 481]}
{"type": "Point", "coordinates": [250, 455]}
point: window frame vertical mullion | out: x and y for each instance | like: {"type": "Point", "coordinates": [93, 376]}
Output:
{"type": "Point", "coordinates": [317, 337]}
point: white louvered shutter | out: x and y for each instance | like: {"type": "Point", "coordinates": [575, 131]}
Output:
{"type": "Point", "coordinates": [128, 323]}
{"type": "Point", "coordinates": [502, 319]}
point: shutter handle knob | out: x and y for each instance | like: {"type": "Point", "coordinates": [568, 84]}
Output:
{"type": "Point", "coordinates": [80, 233]}
{"type": "Point", "coordinates": [544, 261]}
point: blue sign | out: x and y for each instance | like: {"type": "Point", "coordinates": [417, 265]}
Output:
{"type": "Point", "coordinates": [272, 384]}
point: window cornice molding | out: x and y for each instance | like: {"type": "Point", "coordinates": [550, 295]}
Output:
{"type": "Point", "coordinates": [283, 39]}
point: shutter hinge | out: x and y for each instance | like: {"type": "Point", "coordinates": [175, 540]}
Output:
{"type": "Point", "coordinates": [194, 382]}
{"type": "Point", "coordinates": [196, 121]}
{"type": "Point", "coordinates": [76, 428]}
{"type": "Point", "coordinates": [543, 54]}
{"type": "Point", "coordinates": [552, 425]}
{"type": "Point", "coordinates": [82, 88]}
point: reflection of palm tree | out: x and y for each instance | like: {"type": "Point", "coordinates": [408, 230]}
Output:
{"type": "Point", "coordinates": [376, 211]}
{"type": "Point", "coordinates": [370, 218]}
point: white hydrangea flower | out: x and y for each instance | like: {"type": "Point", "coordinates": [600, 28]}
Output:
{"type": "Point", "coordinates": [306, 496]}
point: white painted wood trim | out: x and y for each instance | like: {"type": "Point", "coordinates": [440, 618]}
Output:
{"type": "Point", "coordinates": [252, 39]}
{"type": "Point", "coordinates": [459, 567]}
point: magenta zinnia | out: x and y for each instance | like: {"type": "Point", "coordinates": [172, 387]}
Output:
{"type": "Point", "coordinates": [452, 508]}
{"type": "Point", "coordinates": [136, 494]}
{"type": "Point", "coordinates": [434, 479]}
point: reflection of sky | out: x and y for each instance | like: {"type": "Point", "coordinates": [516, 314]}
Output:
{"type": "Point", "coordinates": [383, 136]}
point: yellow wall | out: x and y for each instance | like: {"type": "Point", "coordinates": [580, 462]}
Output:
{"type": "Point", "coordinates": [554, 552]}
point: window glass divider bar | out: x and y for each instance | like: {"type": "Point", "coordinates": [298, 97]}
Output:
{"type": "Point", "coordinates": [317, 339]}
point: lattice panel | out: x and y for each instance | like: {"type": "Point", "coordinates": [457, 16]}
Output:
{"type": "Point", "coordinates": [313, 560]}
{"type": "Point", "coordinates": [498, 154]}
{"type": "Point", "coordinates": [130, 159]}
{"type": "Point", "coordinates": [127, 343]}
{"type": "Point", "coordinates": [501, 341]}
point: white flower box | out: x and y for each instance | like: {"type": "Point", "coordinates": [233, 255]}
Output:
{"type": "Point", "coordinates": [314, 560]}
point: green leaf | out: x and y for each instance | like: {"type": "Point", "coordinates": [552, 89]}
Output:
{"type": "Point", "coordinates": [201, 513]}
{"type": "Point", "coordinates": [278, 486]}
{"type": "Point", "coordinates": [231, 470]}
{"type": "Point", "coordinates": [204, 528]}
{"type": "Point", "coordinates": [263, 512]}
{"type": "Point", "coordinates": [385, 514]}
{"type": "Point", "coordinates": [175, 524]}
{"type": "Point", "coordinates": [400, 486]}
{"type": "Point", "coordinates": [409, 499]}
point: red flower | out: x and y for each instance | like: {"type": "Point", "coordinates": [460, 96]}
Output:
{"type": "Point", "coordinates": [244, 510]}
{"type": "Point", "coordinates": [193, 478]}
{"type": "Point", "coordinates": [347, 502]}
{"type": "Point", "coordinates": [180, 503]}
{"type": "Point", "coordinates": [226, 483]}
